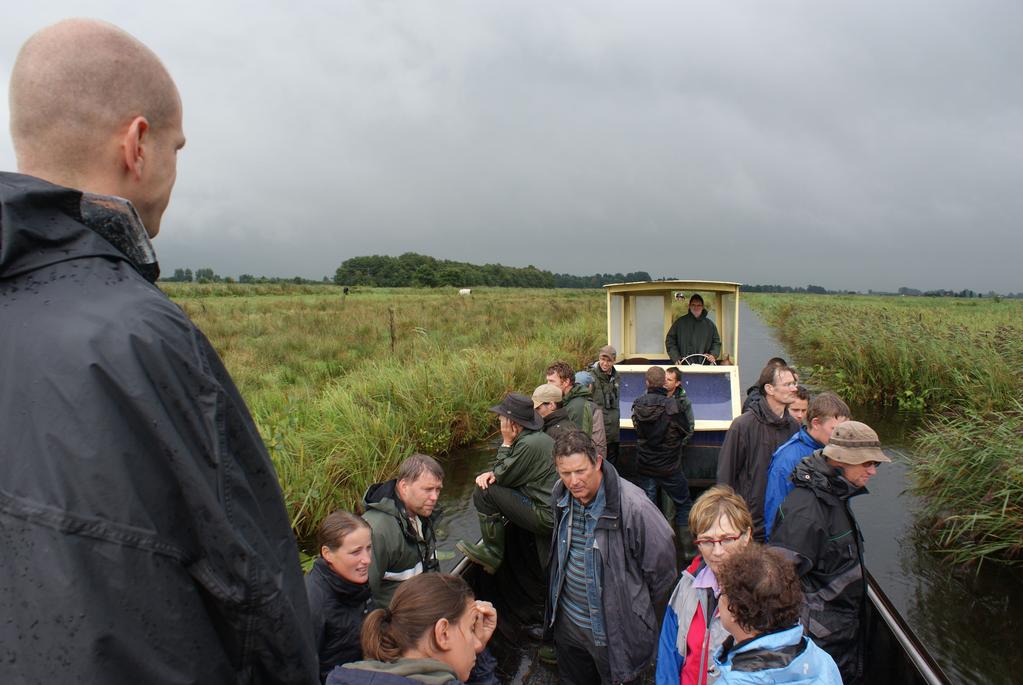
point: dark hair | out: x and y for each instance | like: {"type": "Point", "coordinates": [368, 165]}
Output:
{"type": "Point", "coordinates": [802, 393]}
{"type": "Point", "coordinates": [776, 361]}
{"type": "Point", "coordinates": [674, 371]}
{"type": "Point", "coordinates": [654, 377]}
{"type": "Point", "coordinates": [769, 374]}
{"type": "Point", "coordinates": [417, 605]}
{"type": "Point", "coordinates": [763, 590]}
{"type": "Point", "coordinates": [696, 298]}
{"type": "Point", "coordinates": [574, 442]}
{"type": "Point", "coordinates": [416, 464]}
{"type": "Point", "coordinates": [563, 369]}
{"type": "Point", "coordinates": [827, 405]}
{"type": "Point", "coordinates": [335, 527]}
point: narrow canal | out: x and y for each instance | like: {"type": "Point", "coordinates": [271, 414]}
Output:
{"type": "Point", "coordinates": [970, 621]}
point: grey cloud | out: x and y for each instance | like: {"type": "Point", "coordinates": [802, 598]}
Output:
{"type": "Point", "coordinates": [854, 145]}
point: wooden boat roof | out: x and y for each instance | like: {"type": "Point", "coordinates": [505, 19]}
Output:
{"type": "Point", "coordinates": [661, 286]}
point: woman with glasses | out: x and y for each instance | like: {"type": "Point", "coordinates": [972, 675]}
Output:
{"type": "Point", "coordinates": [692, 631]}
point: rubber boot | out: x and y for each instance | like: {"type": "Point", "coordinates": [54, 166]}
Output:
{"type": "Point", "coordinates": [684, 544]}
{"type": "Point", "coordinates": [488, 552]}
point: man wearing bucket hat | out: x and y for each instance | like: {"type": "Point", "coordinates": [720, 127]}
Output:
{"type": "Point", "coordinates": [518, 486]}
{"type": "Point", "coordinates": [815, 526]}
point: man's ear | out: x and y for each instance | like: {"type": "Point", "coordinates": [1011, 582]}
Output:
{"type": "Point", "coordinates": [442, 634]}
{"type": "Point", "coordinates": [133, 146]}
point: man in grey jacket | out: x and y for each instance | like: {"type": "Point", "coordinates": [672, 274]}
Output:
{"type": "Point", "coordinates": [612, 565]}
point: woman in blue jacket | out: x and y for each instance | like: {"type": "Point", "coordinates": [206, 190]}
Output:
{"type": "Point", "coordinates": [760, 602]}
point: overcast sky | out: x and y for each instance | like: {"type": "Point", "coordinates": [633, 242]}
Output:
{"type": "Point", "coordinates": [860, 144]}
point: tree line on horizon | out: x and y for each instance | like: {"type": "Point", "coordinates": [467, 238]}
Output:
{"type": "Point", "coordinates": [412, 270]}
{"type": "Point", "coordinates": [422, 271]}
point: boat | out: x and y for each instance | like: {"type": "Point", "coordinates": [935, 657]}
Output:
{"type": "Point", "coordinates": [638, 318]}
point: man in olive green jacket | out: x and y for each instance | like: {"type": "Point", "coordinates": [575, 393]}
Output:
{"type": "Point", "coordinates": [576, 398]}
{"type": "Point", "coordinates": [606, 392]}
{"type": "Point", "coordinates": [518, 487]}
{"type": "Point", "coordinates": [400, 514]}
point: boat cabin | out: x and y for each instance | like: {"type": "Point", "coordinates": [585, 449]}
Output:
{"type": "Point", "coordinates": [639, 316]}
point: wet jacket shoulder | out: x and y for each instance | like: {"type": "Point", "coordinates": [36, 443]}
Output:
{"type": "Point", "coordinates": [752, 395]}
{"type": "Point", "coordinates": [816, 527]}
{"type": "Point", "coordinates": [662, 429]}
{"type": "Point", "coordinates": [784, 656]}
{"type": "Point", "coordinates": [779, 473]}
{"type": "Point", "coordinates": [746, 455]}
{"type": "Point", "coordinates": [527, 466]}
{"type": "Point", "coordinates": [414, 672]}
{"type": "Point", "coordinates": [136, 469]}
{"type": "Point", "coordinates": [637, 557]}
{"type": "Point", "coordinates": [579, 406]}
{"type": "Point", "coordinates": [399, 553]}
{"type": "Point", "coordinates": [338, 607]}
{"type": "Point", "coordinates": [557, 423]}
{"type": "Point", "coordinates": [607, 396]}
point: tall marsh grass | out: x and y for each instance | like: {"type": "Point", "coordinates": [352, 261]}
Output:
{"type": "Point", "coordinates": [339, 410]}
{"type": "Point", "coordinates": [961, 362]}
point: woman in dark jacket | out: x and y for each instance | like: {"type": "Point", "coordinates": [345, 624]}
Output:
{"type": "Point", "coordinates": [338, 589]}
{"type": "Point", "coordinates": [433, 632]}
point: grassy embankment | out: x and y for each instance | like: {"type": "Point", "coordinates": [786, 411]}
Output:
{"type": "Point", "coordinates": [339, 410]}
{"type": "Point", "coordinates": [960, 362]}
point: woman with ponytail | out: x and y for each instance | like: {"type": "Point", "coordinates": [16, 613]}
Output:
{"type": "Point", "coordinates": [338, 589]}
{"type": "Point", "coordinates": [433, 632]}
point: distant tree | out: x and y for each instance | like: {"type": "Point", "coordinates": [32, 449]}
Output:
{"type": "Point", "coordinates": [206, 275]}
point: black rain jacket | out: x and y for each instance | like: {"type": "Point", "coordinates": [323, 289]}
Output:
{"type": "Point", "coordinates": [338, 606]}
{"type": "Point", "coordinates": [816, 526]}
{"type": "Point", "coordinates": [745, 456]}
{"type": "Point", "coordinates": [663, 425]}
{"type": "Point", "coordinates": [143, 532]}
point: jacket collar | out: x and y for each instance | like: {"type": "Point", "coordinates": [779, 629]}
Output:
{"type": "Point", "coordinates": [815, 473]}
{"type": "Point", "coordinates": [764, 413]}
{"type": "Point", "coordinates": [357, 592]}
{"type": "Point", "coordinates": [69, 225]}
{"type": "Point", "coordinates": [384, 497]}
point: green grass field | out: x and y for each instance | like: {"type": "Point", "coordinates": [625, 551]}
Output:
{"type": "Point", "coordinates": [960, 363]}
{"type": "Point", "coordinates": [339, 409]}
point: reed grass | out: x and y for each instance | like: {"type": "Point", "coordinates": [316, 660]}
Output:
{"type": "Point", "coordinates": [959, 363]}
{"type": "Point", "coordinates": [338, 410]}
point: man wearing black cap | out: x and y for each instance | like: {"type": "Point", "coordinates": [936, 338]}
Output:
{"type": "Point", "coordinates": [518, 486]}
{"type": "Point", "coordinates": [815, 526]}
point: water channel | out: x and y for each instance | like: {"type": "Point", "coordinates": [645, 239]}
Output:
{"type": "Point", "coordinates": [971, 622]}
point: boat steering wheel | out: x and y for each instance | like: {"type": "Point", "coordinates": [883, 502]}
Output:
{"type": "Point", "coordinates": [690, 360]}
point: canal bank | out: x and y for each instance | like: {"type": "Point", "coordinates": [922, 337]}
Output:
{"type": "Point", "coordinates": [971, 622]}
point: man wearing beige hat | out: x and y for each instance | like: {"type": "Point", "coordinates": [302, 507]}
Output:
{"type": "Point", "coordinates": [547, 403]}
{"type": "Point", "coordinates": [816, 527]}
{"type": "Point", "coordinates": [518, 485]}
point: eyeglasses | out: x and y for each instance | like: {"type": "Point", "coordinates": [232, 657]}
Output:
{"type": "Point", "coordinates": [726, 541]}
{"type": "Point", "coordinates": [869, 464]}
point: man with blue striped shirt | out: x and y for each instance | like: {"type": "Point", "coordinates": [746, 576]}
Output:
{"type": "Point", "coordinates": [612, 564]}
